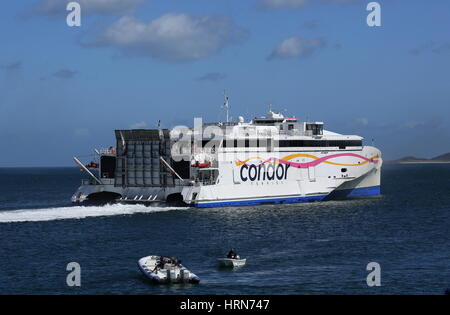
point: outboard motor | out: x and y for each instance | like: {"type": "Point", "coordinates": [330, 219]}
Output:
{"type": "Point", "coordinates": [171, 275]}
{"type": "Point", "coordinates": [184, 275]}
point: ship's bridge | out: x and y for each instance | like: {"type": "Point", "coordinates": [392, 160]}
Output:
{"type": "Point", "coordinates": [270, 119]}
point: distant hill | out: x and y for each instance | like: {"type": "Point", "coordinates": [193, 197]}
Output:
{"type": "Point", "coordinates": [444, 158]}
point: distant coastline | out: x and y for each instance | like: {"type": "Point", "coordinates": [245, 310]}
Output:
{"type": "Point", "coordinates": [418, 162]}
{"type": "Point", "coordinates": [441, 159]}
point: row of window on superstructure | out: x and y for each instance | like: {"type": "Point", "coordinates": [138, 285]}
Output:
{"type": "Point", "coordinates": [256, 143]}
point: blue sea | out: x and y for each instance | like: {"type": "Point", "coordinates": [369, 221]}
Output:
{"type": "Point", "coordinates": [310, 248]}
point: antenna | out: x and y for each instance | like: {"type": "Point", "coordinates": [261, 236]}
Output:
{"type": "Point", "coordinates": [226, 104]}
{"type": "Point", "coordinates": [161, 134]}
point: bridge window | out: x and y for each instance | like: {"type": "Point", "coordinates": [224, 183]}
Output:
{"type": "Point", "coordinates": [342, 144]}
{"type": "Point", "coordinates": [316, 129]}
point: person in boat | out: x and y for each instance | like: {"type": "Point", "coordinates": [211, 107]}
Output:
{"type": "Point", "coordinates": [159, 264]}
{"type": "Point", "coordinates": [175, 261]}
{"type": "Point", "coordinates": [232, 254]}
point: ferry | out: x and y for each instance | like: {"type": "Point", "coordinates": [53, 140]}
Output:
{"type": "Point", "coordinates": [272, 159]}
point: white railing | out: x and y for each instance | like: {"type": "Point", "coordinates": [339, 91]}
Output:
{"type": "Point", "coordinates": [297, 132]}
{"type": "Point", "coordinates": [88, 182]}
{"type": "Point", "coordinates": [91, 181]}
{"type": "Point", "coordinates": [111, 151]}
{"type": "Point", "coordinates": [107, 181]}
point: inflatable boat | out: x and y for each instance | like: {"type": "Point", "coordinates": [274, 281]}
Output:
{"type": "Point", "coordinates": [160, 269]}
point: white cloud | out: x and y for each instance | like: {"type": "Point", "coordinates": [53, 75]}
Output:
{"type": "Point", "coordinates": [139, 125]}
{"type": "Point", "coordinates": [65, 74]}
{"type": "Point", "coordinates": [282, 4]}
{"type": "Point", "coordinates": [413, 124]}
{"type": "Point", "coordinates": [296, 47]}
{"type": "Point", "coordinates": [12, 66]}
{"type": "Point", "coordinates": [362, 121]}
{"type": "Point", "coordinates": [101, 7]}
{"type": "Point", "coordinates": [437, 48]}
{"type": "Point", "coordinates": [171, 37]}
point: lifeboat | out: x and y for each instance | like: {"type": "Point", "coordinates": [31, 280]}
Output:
{"type": "Point", "coordinates": [206, 164]}
{"type": "Point", "coordinates": [201, 165]}
{"type": "Point", "coordinates": [162, 269]}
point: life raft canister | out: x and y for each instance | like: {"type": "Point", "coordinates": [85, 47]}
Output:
{"type": "Point", "coordinates": [201, 165]}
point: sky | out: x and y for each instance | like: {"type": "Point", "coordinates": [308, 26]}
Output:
{"type": "Point", "coordinates": [64, 90]}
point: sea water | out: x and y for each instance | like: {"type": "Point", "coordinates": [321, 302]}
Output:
{"type": "Point", "coordinates": [311, 248]}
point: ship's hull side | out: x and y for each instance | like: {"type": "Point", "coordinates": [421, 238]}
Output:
{"type": "Point", "coordinates": [299, 177]}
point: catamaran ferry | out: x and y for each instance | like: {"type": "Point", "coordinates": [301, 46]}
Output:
{"type": "Point", "coordinates": [269, 160]}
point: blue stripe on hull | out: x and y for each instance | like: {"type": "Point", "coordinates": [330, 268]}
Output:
{"type": "Point", "coordinates": [355, 192]}
{"type": "Point", "coordinates": [260, 201]}
{"type": "Point", "coordinates": [347, 193]}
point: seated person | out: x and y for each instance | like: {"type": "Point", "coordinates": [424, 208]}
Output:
{"type": "Point", "coordinates": [232, 254]}
{"type": "Point", "coordinates": [159, 264]}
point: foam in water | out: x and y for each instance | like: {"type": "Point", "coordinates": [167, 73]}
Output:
{"type": "Point", "coordinates": [77, 212]}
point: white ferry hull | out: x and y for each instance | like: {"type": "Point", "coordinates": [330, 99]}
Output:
{"type": "Point", "coordinates": [361, 179]}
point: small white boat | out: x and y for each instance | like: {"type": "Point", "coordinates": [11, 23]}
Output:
{"type": "Point", "coordinates": [230, 262]}
{"type": "Point", "coordinates": [162, 269]}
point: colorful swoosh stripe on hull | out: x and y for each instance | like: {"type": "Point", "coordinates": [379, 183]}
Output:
{"type": "Point", "coordinates": [316, 161]}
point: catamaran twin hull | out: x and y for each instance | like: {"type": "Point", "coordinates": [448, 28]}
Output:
{"type": "Point", "coordinates": [263, 179]}
{"type": "Point", "coordinates": [301, 163]}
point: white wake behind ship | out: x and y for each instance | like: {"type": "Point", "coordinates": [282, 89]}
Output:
{"type": "Point", "coordinates": [269, 160]}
